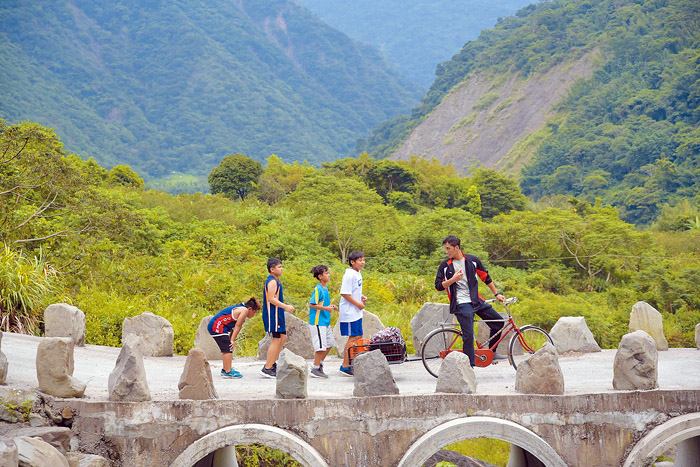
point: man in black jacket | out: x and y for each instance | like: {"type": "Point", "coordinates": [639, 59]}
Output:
{"type": "Point", "coordinates": [458, 274]}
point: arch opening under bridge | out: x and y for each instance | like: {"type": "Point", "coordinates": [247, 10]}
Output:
{"type": "Point", "coordinates": [683, 430]}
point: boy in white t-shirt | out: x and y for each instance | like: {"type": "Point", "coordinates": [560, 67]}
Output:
{"type": "Point", "coordinates": [351, 305]}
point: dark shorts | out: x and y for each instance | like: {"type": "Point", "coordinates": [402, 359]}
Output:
{"type": "Point", "coordinates": [277, 335]}
{"type": "Point", "coordinates": [273, 321]}
{"type": "Point", "coordinates": [224, 342]}
{"type": "Point", "coordinates": [351, 329]}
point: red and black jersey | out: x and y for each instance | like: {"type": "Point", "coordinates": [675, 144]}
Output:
{"type": "Point", "coordinates": [474, 268]}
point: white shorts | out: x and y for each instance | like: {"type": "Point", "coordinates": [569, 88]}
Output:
{"type": "Point", "coordinates": [321, 337]}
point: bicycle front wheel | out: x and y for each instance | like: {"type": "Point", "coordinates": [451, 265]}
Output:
{"type": "Point", "coordinates": [437, 345]}
{"type": "Point", "coordinates": [530, 340]}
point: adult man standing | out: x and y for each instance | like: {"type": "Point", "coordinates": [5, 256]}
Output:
{"type": "Point", "coordinates": [458, 275]}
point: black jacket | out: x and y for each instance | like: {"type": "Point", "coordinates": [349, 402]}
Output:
{"type": "Point", "coordinates": [474, 269]}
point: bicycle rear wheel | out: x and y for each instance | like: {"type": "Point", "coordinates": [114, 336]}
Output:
{"type": "Point", "coordinates": [521, 347]}
{"type": "Point", "coordinates": [437, 345]}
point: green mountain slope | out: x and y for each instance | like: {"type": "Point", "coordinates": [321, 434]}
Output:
{"type": "Point", "coordinates": [166, 86]}
{"type": "Point", "coordinates": [626, 132]}
{"type": "Point", "coordinates": [414, 36]}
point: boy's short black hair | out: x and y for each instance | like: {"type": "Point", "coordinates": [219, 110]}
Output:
{"type": "Point", "coordinates": [318, 270]}
{"type": "Point", "coordinates": [272, 262]}
{"type": "Point", "coordinates": [452, 240]}
{"type": "Point", "coordinates": [253, 303]}
{"type": "Point", "coordinates": [354, 256]}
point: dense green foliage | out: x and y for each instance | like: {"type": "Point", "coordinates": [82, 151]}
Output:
{"type": "Point", "coordinates": [629, 135]}
{"type": "Point", "coordinates": [174, 86]}
{"type": "Point", "coordinates": [414, 36]}
{"type": "Point", "coordinates": [117, 251]}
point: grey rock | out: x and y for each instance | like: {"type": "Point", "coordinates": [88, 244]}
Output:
{"type": "Point", "coordinates": [35, 452]}
{"type": "Point", "coordinates": [64, 320]}
{"type": "Point", "coordinates": [540, 373]}
{"type": "Point", "coordinates": [426, 319]}
{"type": "Point", "coordinates": [372, 375]}
{"type": "Point", "coordinates": [371, 324]}
{"type": "Point", "coordinates": [155, 334]}
{"type": "Point", "coordinates": [8, 454]}
{"type": "Point", "coordinates": [3, 364]}
{"type": "Point", "coordinates": [298, 338]}
{"type": "Point", "coordinates": [456, 375]}
{"type": "Point", "coordinates": [292, 375]}
{"type": "Point", "coordinates": [78, 459]}
{"type": "Point", "coordinates": [128, 381]}
{"type": "Point", "coordinates": [483, 333]}
{"type": "Point", "coordinates": [571, 334]}
{"type": "Point", "coordinates": [645, 317]}
{"type": "Point", "coordinates": [196, 381]}
{"type": "Point", "coordinates": [205, 342]}
{"type": "Point", "coordinates": [36, 420]}
{"type": "Point", "coordinates": [59, 437]}
{"type": "Point", "coordinates": [697, 336]}
{"type": "Point", "coordinates": [54, 368]}
{"type": "Point", "coordinates": [636, 363]}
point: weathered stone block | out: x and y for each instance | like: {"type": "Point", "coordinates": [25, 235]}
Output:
{"type": "Point", "coordinates": [59, 437]}
{"type": "Point", "coordinates": [205, 342]}
{"type": "Point", "coordinates": [426, 319]}
{"type": "Point", "coordinates": [456, 375]}
{"type": "Point", "coordinates": [292, 376]}
{"type": "Point", "coordinates": [54, 368]}
{"type": "Point", "coordinates": [34, 452]}
{"type": "Point", "coordinates": [645, 317]}
{"type": "Point", "coordinates": [8, 454]}
{"type": "Point", "coordinates": [636, 363]}
{"type": "Point", "coordinates": [155, 334]}
{"type": "Point", "coordinates": [372, 375]}
{"type": "Point", "coordinates": [540, 373]}
{"type": "Point", "coordinates": [196, 381]}
{"type": "Point", "coordinates": [298, 338]}
{"type": "Point", "coordinates": [571, 334]}
{"type": "Point", "coordinates": [128, 382]}
{"type": "Point", "coordinates": [371, 324]}
{"type": "Point", "coordinates": [64, 320]}
{"type": "Point", "coordinates": [78, 459]}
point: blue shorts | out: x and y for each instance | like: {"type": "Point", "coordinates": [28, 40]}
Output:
{"type": "Point", "coordinates": [273, 321]}
{"type": "Point", "coordinates": [351, 329]}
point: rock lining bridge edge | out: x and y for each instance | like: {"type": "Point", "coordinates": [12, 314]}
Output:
{"type": "Point", "coordinates": [625, 428]}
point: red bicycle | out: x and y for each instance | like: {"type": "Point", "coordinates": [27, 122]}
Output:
{"type": "Point", "coordinates": [448, 338]}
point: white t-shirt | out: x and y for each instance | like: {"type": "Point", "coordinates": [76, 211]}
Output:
{"type": "Point", "coordinates": [463, 295]}
{"type": "Point", "coordinates": [352, 285]}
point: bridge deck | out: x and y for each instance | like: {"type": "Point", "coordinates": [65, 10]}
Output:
{"type": "Point", "coordinates": [679, 369]}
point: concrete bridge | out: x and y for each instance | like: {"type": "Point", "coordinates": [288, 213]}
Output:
{"type": "Point", "coordinates": [590, 425]}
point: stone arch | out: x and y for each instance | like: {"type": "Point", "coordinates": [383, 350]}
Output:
{"type": "Point", "coordinates": [662, 437]}
{"type": "Point", "coordinates": [480, 427]}
{"type": "Point", "coordinates": [252, 433]}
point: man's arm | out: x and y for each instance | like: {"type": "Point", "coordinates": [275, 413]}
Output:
{"type": "Point", "coordinates": [237, 329]}
{"type": "Point", "coordinates": [271, 297]}
{"type": "Point", "coordinates": [324, 308]}
{"type": "Point", "coordinates": [349, 298]}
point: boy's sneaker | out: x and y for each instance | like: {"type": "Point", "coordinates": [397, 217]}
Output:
{"type": "Point", "coordinates": [269, 372]}
{"type": "Point", "coordinates": [318, 372]}
{"type": "Point", "coordinates": [231, 374]}
{"type": "Point", "coordinates": [346, 371]}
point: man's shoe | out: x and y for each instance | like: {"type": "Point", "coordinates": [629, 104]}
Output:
{"type": "Point", "coordinates": [269, 372]}
{"type": "Point", "coordinates": [318, 373]}
{"type": "Point", "coordinates": [231, 374]}
{"type": "Point", "coordinates": [346, 371]}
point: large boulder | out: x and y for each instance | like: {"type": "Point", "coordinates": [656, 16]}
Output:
{"type": "Point", "coordinates": [298, 338]}
{"type": "Point", "coordinates": [292, 375]}
{"type": "Point", "coordinates": [371, 324]}
{"type": "Point", "coordinates": [155, 334]}
{"type": "Point", "coordinates": [372, 375]}
{"type": "Point", "coordinates": [3, 364]}
{"type": "Point", "coordinates": [78, 459]}
{"type": "Point", "coordinates": [636, 363]}
{"type": "Point", "coordinates": [196, 381]}
{"type": "Point", "coordinates": [64, 320]}
{"type": "Point", "coordinates": [484, 332]}
{"type": "Point", "coordinates": [540, 373]}
{"type": "Point", "coordinates": [54, 368]}
{"type": "Point", "coordinates": [34, 452]}
{"type": "Point", "coordinates": [128, 382]}
{"type": "Point", "coordinates": [697, 336]}
{"type": "Point", "coordinates": [8, 454]}
{"type": "Point", "coordinates": [59, 437]}
{"type": "Point", "coordinates": [426, 319]}
{"type": "Point", "coordinates": [205, 342]}
{"type": "Point", "coordinates": [456, 375]}
{"type": "Point", "coordinates": [571, 334]}
{"type": "Point", "coordinates": [645, 317]}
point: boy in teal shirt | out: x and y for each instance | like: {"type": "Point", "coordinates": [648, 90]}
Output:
{"type": "Point", "coordinates": [320, 319]}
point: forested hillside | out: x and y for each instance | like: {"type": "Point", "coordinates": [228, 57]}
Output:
{"type": "Point", "coordinates": [628, 134]}
{"type": "Point", "coordinates": [74, 232]}
{"type": "Point", "coordinates": [414, 36]}
{"type": "Point", "coordinates": [175, 86]}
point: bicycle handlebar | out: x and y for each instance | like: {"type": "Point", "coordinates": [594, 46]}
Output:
{"type": "Point", "coordinates": [509, 301]}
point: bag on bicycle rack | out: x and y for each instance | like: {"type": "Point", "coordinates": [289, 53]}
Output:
{"type": "Point", "coordinates": [391, 342]}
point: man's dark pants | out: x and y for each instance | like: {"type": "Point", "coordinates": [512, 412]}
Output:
{"type": "Point", "coordinates": [465, 317]}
